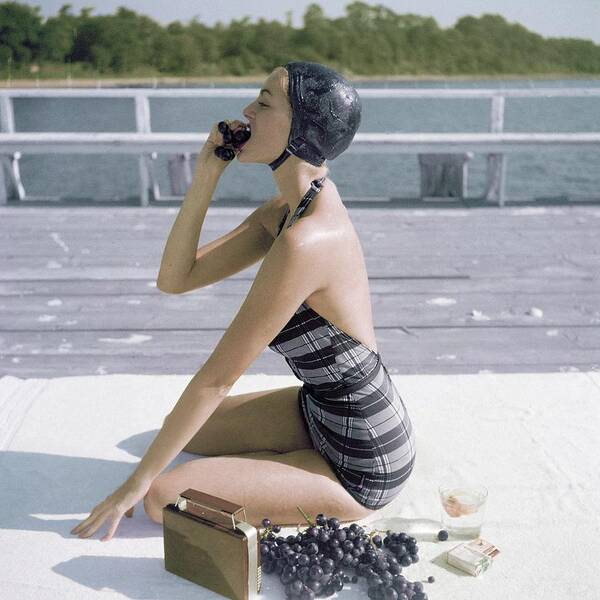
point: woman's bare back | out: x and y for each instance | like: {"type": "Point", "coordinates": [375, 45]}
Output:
{"type": "Point", "coordinates": [345, 301]}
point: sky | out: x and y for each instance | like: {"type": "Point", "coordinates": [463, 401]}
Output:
{"type": "Point", "coordinates": [549, 18]}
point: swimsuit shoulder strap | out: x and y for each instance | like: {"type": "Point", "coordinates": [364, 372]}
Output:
{"type": "Point", "coordinates": [315, 188]}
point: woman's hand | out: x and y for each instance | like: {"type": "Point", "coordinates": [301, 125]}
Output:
{"type": "Point", "coordinates": [120, 502]}
{"type": "Point", "coordinates": [207, 157]}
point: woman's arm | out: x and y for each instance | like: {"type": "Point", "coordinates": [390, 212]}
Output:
{"type": "Point", "coordinates": [179, 254]}
{"type": "Point", "coordinates": [197, 403]}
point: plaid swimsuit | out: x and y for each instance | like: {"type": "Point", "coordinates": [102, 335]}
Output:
{"type": "Point", "coordinates": [354, 414]}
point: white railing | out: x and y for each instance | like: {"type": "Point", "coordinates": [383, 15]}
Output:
{"type": "Point", "coordinates": [495, 143]}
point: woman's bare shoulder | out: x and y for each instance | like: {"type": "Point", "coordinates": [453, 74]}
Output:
{"type": "Point", "coordinates": [267, 213]}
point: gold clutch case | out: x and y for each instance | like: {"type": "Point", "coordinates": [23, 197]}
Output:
{"type": "Point", "coordinates": [206, 544]}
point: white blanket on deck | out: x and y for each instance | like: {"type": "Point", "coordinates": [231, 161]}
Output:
{"type": "Point", "coordinates": [532, 439]}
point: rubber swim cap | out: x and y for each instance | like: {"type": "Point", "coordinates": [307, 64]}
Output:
{"type": "Point", "coordinates": [325, 113]}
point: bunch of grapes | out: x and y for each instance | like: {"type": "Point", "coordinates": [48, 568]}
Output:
{"type": "Point", "coordinates": [236, 139]}
{"type": "Point", "coordinates": [311, 563]}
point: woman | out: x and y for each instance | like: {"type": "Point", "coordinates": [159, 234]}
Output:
{"type": "Point", "coordinates": [342, 443]}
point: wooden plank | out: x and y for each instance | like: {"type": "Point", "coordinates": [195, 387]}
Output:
{"type": "Point", "coordinates": [240, 284]}
{"type": "Point", "coordinates": [78, 292]}
{"type": "Point", "coordinates": [436, 350]}
{"type": "Point", "coordinates": [197, 312]}
{"type": "Point", "coordinates": [119, 266]}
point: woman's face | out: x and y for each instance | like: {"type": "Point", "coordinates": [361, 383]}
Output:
{"type": "Point", "coordinates": [270, 118]}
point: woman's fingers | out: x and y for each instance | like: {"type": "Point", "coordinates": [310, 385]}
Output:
{"type": "Point", "coordinates": [93, 526]}
{"type": "Point", "coordinates": [91, 517]}
{"type": "Point", "coordinates": [82, 525]}
{"type": "Point", "coordinates": [112, 529]}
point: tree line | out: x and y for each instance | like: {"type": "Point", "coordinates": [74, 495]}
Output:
{"type": "Point", "coordinates": [366, 40]}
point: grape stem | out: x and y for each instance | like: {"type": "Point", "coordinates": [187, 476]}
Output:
{"type": "Point", "coordinates": [306, 517]}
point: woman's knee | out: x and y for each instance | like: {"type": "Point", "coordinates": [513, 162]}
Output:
{"type": "Point", "coordinates": [155, 500]}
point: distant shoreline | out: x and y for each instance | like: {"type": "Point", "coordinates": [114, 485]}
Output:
{"type": "Point", "coordinates": [182, 81]}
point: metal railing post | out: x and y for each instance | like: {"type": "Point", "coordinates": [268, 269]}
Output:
{"type": "Point", "coordinates": [496, 162]}
{"type": "Point", "coordinates": [146, 167]}
{"type": "Point", "coordinates": [10, 175]}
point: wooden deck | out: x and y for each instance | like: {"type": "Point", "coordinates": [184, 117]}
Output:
{"type": "Point", "coordinates": [452, 291]}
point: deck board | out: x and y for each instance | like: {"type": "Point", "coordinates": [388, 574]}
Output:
{"type": "Point", "coordinates": [450, 289]}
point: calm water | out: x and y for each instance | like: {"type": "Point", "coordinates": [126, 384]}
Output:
{"type": "Point", "coordinates": [529, 174]}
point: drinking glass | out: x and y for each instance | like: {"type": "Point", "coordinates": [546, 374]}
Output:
{"type": "Point", "coordinates": [462, 509]}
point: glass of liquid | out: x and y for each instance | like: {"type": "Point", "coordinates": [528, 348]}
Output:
{"type": "Point", "coordinates": [462, 509]}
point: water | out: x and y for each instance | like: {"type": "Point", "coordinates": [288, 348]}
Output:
{"type": "Point", "coordinates": [462, 511]}
{"type": "Point", "coordinates": [529, 174]}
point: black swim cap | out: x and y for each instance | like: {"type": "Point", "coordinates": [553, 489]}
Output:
{"type": "Point", "coordinates": [325, 113]}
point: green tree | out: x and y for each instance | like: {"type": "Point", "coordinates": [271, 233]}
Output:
{"type": "Point", "coordinates": [20, 32]}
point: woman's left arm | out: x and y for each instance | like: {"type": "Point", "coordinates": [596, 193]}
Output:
{"type": "Point", "coordinates": [282, 283]}
{"type": "Point", "coordinates": [196, 405]}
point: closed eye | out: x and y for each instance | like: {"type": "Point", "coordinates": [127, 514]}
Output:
{"type": "Point", "coordinates": [262, 104]}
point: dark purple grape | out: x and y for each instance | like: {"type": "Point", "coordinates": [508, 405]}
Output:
{"type": "Point", "coordinates": [287, 576]}
{"type": "Point", "coordinates": [312, 532]}
{"type": "Point", "coordinates": [312, 548]}
{"type": "Point", "coordinates": [266, 523]}
{"type": "Point", "coordinates": [340, 535]}
{"type": "Point", "coordinates": [390, 593]}
{"type": "Point", "coordinates": [347, 560]}
{"type": "Point", "coordinates": [315, 585]}
{"type": "Point", "coordinates": [323, 536]}
{"type": "Point", "coordinates": [406, 561]}
{"type": "Point", "coordinates": [338, 584]}
{"type": "Point", "coordinates": [337, 554]}
{"type": "Point", "coordinates": [266, 566]}
{"type": "Point", "coordinates": [400, 549]}
{"type": "Point", "coordinates": [431, 579]}
{"type": "Point", "coordinates": [307, 594]}
{"type": "Point", "coordinates": [380, 564]}
{"type": "Point", "coordinates": [241, 136]}
{"type": "Point", "coordinates": [442, 535]}
{"type": "Point", "coordinates": [303, 560]}
{"type": "Point", "coordinates": [224, 153]}
{"type": "Point", "coordinates": [328, 565]}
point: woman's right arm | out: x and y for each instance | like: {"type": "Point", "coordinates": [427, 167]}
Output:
{"type": "Point", "coordinates": [179, 254]}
